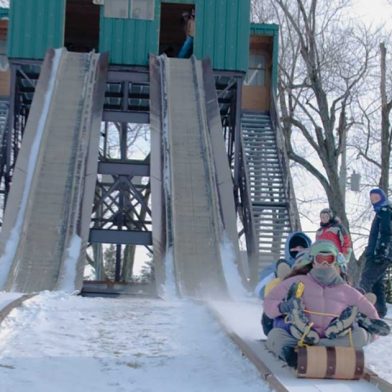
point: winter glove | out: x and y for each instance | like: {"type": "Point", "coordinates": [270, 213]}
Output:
{"type": "Point", "coordinates": [293, 298]}
{"type": "Point", "coordinates": [341, 325]}
{"type": "Point", "coordinates": [286, 307]}
{"type": "Point", "coordinates": [373, 326]}
{"type": "Point", "coordinates": [300, 327]}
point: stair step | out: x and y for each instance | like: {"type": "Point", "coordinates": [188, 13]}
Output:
{"type": "Point", "coordinates": [266, 183]}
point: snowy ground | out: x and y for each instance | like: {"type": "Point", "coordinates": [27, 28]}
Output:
{"type": "Point", "coordinates": [58, 342]}
{"type": "Point", "coordinates": [378, 354]}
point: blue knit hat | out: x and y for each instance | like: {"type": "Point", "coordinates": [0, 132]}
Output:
{"type": "Point", "coordinates": [383, 198]}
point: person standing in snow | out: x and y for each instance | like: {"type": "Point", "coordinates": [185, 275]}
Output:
{"type": "Point", "coordinates": [379, 250]}
{"type": "Point", "coordinates": [319, 308]}
{"type": "Point", "coordinates": [331, 229]}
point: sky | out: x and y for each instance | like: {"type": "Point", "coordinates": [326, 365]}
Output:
{"type": "Point", "coordinates": [375, 11]}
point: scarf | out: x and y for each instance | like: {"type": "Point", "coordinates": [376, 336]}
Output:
{"type": "Point", "coordinates": [326, 276]}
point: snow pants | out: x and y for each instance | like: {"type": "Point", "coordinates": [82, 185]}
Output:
{"type": "Point", "coordinates": [279, 338]}
{"type": "Point", "coordinates": [372, 280]}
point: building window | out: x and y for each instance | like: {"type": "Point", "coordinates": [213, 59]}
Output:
{"type": "Point", "coordinates": [256, 71]}
{"type": "Point", "coordinates": [116, 9]}
{"type": "Point", "coordinates": [129, 9]}
{"type": "Point", "coordinates": [142, 9]}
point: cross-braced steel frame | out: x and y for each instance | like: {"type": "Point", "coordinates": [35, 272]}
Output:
{"type": "Point", "coordinates": [121, 212]}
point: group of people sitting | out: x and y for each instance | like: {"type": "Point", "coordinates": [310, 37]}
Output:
{"type": "Point", "coordinates": [307, 297]}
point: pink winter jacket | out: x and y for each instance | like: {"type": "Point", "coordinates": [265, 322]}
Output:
{"type": "Point", "coordinates": [331, 300]}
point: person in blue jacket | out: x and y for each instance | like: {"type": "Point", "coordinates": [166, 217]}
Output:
{"type": "Point", "coordinates": [379, 250]}
{"type": "Point", "coordinates": [295, 244]}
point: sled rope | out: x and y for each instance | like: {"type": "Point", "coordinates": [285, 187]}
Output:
{"type": "Point", "coordinates": [307, 330]}
{"type": "Point", "coordinates": [320, 313]}
{"type": "Point", "coordinates": [299, 292]}
{"type": "Point", "coordinates": [350, 330]}
{"type": "Point", "coordinates": [350, 337]}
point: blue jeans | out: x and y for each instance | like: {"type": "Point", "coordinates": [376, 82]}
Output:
{"type": "Point", "coordinates": [186, 49]}
{"type": "Point", "coordinates": [372, 280]}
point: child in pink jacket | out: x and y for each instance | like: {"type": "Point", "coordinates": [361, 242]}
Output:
{"type": "Point", "coordinates": [320, 308]}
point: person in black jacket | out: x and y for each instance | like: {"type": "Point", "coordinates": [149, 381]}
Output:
{"type": "Point", "coordinates": [379, 250]}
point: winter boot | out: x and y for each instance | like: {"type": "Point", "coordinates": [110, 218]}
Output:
{"type": "Point", "coordinates": [341, 325]}
{"type": "Point", "coordinates": [300, 328]}
{"type": "Point", "coordinates": [373, 326]}
{"type": "Point", "coordinates": [290, 356]}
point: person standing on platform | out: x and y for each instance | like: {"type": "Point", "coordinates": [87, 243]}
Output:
{"type": "Point", "coordinates": [187, 47]}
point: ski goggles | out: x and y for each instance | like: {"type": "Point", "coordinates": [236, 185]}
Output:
{"type": "Point", "coordinates": [325, 258]}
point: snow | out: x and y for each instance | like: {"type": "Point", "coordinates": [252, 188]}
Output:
{"type": "Point", "coordinates": [230, 271]}
{"type": "Point", "coordinates": [169, 288]}
{"type": "Point", "coordinates": [59, 342]}
{"type": "Point", "coordinates": [378, 354]}
{"type": "Point", "coordinates": [67, 280]}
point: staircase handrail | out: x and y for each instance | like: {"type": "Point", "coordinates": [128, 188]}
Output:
{"type": "Point", "coordinates": [295, 222]}
{"type": "Point", "coordinates": [247, 209]}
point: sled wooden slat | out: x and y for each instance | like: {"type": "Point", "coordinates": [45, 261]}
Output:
{"type": "Point", "coordinates": [342, 363]}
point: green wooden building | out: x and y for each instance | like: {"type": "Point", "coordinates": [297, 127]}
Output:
{"type": "Point", "coordinates": [132, 29]}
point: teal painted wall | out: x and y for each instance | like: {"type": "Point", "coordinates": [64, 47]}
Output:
{"type": "Point", "coordinates": [35, 26]}
{"type": "Point", "coordinates": [129, 41]}
{"type": "Point", "coordinates": [222, 32]}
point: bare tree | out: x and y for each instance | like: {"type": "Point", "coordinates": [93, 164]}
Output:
{"type": "Point", "coordinates": [262, 11]}
{"type": "Point", "coordinates": [386, 135]}
{"type": "Point", "coordinates": [322, 67]}
{"type": "Point", "coordinates": [374, 136]}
